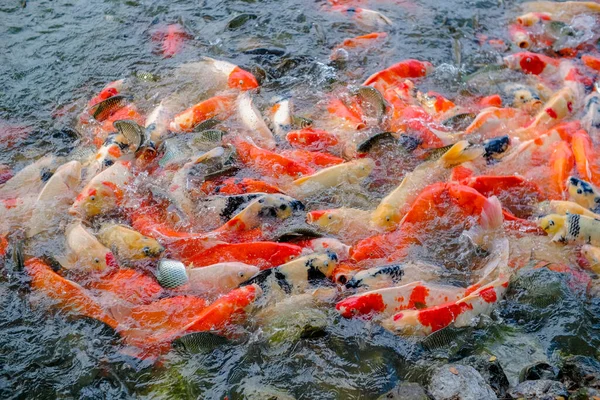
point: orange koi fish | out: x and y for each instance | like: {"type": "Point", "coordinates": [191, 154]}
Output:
{"type": "Point", "coordinates": [67, 294]}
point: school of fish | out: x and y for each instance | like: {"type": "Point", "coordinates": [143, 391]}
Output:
{"type": "Point", "coordinates": [212, 205]}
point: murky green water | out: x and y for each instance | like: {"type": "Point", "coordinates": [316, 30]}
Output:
{"type": "Point", "coordinates": [55, 55]}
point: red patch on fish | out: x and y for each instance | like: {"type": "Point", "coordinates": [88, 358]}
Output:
{"type": "Point", "coordinates": [418, 297]}
{"type": "Point", "coordinates": [488, 295]}
{"type": "Point", "coordinates": [532, 64]}
{"type": "Point", "coordinates": [440, 317]}
{"type": "Point", "coordinates": [361, 305]}
{"type": "Point", "coordinates": [551, 113]}
{"type": "Point", "coordinates": [115, 189]}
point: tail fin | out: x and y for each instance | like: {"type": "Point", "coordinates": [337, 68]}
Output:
{"type": "Point", "coordinates": [461, 152]}
{"type": "Point", "coordinates": [492, 216]}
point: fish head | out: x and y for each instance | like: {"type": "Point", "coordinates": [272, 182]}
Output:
{"type": "Point", "coordinates": [386, 216]}
{"type": "Point", "coordinates": [149, 248]}
{"type": "Point", "coordinates": [327, 263]}
{"type": "Point", "coordinates": [242, 272]}
{"type": "Point", "coordinates": [582, 192]}
{"type": "Point", "coordinates": [552, 223]}
{"type": "Point", "coordinates": [361, 168]}
{"type": "Point", "coordinates": [242, 80]}
{"type": "Point", "coordinates": [330, 220]}
{"type": "Point", "coordinates": [281, 206]}
{"type": "Point", "coordinates": [96, 199]}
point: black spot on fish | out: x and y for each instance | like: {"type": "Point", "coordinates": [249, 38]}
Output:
{"type": "Point", "coordinates": [282, 282]}
{"type": "Point", "coordinates": [259, 278]}
{"type": "Point", "coordinates": [496, 146]}
{"type": "Point", "coordinates": [314, 275]}
{"type": "Point", "coordinates": [581, 184]}
{"type": "Point", "coordinates": [574, 228]}
{"type": "Point", "coordinates": [122, 145]}
{"type": "Point", "coordinates": [46, 174]}
{"type": "Point", "coordinates": [232, 203]}
{"type": "Point", "coordinates": [393, 271]}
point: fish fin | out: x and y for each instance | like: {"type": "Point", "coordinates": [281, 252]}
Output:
{"type": "Point", "coordinates": [492, 216]}
{"type": "Point", "coordinates": [18, 257]}
{"type": "Point", "coordinates": [461, 152]}
{"type": "Point", "coordinates": [491, 219]}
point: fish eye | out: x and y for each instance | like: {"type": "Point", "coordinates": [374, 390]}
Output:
{"type": "Point", "coordinates": [579, 191]}
{"type": "Point", "coordinates": [146, 250]}
{"type": "Point", "coordinates": [388, 218]}
{"type": "Point", "coordinates": [342, 279]}
{"type": "Point", "coordinates": [330, 217]}
{"type": "Point", "coordinates": [92, 198]}
{"type": "Point", "coordinates": [241, 274]}
{"type": "Point", "coordinates": [241, 82]}
{"type": "Point", "coordinates": [97, 260]}
{"type": "Point", "coordinates": [551, 223]}
{"type": "Point", "coordinates": [108, 163]}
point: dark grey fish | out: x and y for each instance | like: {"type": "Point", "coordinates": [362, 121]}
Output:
{"type": "Point", "coordinates": [133, 133]}
{"type": "Point", "coordinates": [459, 122]}
{"type": "Point", "coordinates": [372, 101]}
{"type": "Point", "coordinates": [105, 108]}
{"type": "Point", "coordinates": [199, 342]}
{"type": "Point", "coordinates": [239, 20]}
{"type": "Point", "coordinates": [207, 124]}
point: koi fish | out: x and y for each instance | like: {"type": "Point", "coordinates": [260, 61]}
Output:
{"type": "Point", "coordinates": [312, 139]}
{"type": "Point", "coordinates": [217, 106]}
{"type": "Point", "coordinates": [295, 276]}
{"type": "Point", "coordinates": [572, 228]}
{"type": "Point", "coordinates": [55, 198]}
{"type": "Point", "coordinates": [254, 123]}
{"type": "Point", "coordinates": [383, 303]}
{"type": "Point", "coordinates": [261, 254]}
{"type": "Point", "coordinates": [459, 313]}
{"type": "Point", "coordinates": [389, 212]}
{"type": "Point", "coordinates": [221, 74]}
{"type": "Point", "coordinates": [350, 172]}
{"type": "Point", "coordinates": [268, 205]}
{"type": "Point", "coordinates": [84, 251]}
{"type": "Point", "coordinates": [104, 193]}
{"type": "Point", "coordinates": [214, 279]}
{"type": "Point", "coordinates": [128, 244]}
{"type": "Point", "coordinates": [173, 40]}
{"type": "Point", "coordinates": [270, 163]}
{"type": "Point", "coordinates": [389, 275]}
{"type": "Point", "coordinates": [67, 294]}
{"type": "Point", "coordinates": [220, 313]}
{"type": "Point", "coordinates": [583, 193]}
{"type": "Point", "coordinates": [366, 18]}
{"type": "Point", "coordinates": [233, 186]}
{"type": "Point", "coordinates": [592, 255]}
{"type": "Point", "coordinates": [400, 71]}
{"type": "Point", "coordinates": [348, 222]}
{"type": "Point", "coordinates": [130, 285]}
{"type": "Point", "coordinates": [532, 63]}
